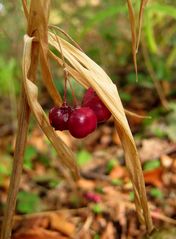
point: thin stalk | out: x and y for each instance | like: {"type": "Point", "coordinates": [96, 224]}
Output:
{"type": "Point", "coordinates": [73, 94]}
{"type": "Point", "coordinates": [66, 76]}
{"type": "Point", "coordinates": [17, 167]}
{"type": "Point", "coordinates": [64, 70]}
{"type": "Point", "coordinates": [22, 130]}
{"type": "Point", "coordinates": [69, 37]}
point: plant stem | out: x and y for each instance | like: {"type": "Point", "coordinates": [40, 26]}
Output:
{"type": "Point", "coordinates": [17, 167]}
{"type": "Point", "coordinates": [23, 123]}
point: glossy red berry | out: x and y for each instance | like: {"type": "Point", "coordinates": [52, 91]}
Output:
{"type": "Point", "coordinates": [82, 122]}
{"type": "Point", "coordinates": [59, 116]}
{"type": "Point", "coordinates": [92, 100]}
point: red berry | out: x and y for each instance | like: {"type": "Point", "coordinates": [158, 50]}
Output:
{"type": "Point", "coordinates": [92, 100]}
{"type": "Point", "coordinates": [59, 116]}
{"type": "Point", "coordinates": [82, 122]}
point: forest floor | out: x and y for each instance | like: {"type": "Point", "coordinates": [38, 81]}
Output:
{"type": "Point", "coordinates": [100, 205]}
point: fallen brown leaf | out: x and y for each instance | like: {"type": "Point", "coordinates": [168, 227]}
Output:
{"type": "Point", "coordinates": [38, 233]}
{"type": "Point", "coordinates": [154, 177]}
{"type": "Point", "coordinates": [109, 232]}
{"type": "Point", "coordinates": [60, 223]}
{"type": "Point", "coordinates": [166, 161]}
{"type": "Point", "coordinates": [152, 149]}
{"type": "Point", "coordinates": [86, 184]}
{"type": "Point", "coordinates": [118, 172]}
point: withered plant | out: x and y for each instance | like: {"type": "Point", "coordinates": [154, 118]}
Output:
{"type": "Point", "coordinates": [86, 72]}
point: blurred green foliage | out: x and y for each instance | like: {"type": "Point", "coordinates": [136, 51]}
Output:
{"type": "Point", "coordinates": [151, 165]}
{"type": "Point", "coordinates": [28, 202]}
{"type": "Point", "coordinates": [83, 157]}
{"type": "Point", "coordinates": [102, 29]}
{"type": "Point", "coordinates": [156, 193]}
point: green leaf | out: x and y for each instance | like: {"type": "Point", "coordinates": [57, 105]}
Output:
{"type": "Point", "coordinates": [28, 202]}
{"type": "Point", "coordinates": [131, 196]}
{"type": "Point", "coordinates": [97, 236]}
{"type": "Point", "coordinates": [156, 193]}
{"type": "Point", "coordinates": [164, 9]}
{"type": "Point", "coordinates": [125, 96]}
{"type": "Point", "coordinates": [44, 159]}
{"type": "Point", "coordinates": [101, 16]}
{"type": "Point", "coordinates": [150, 165]}
{"type": "Point", "coordinates": [116, 182]}
{"type": "Point", "coordinates": [149, 31]}
{"type": "Point", "coordinates": [30, 153]}
{"type": "Point", "coordinates": [83, 157]}
{"type": "Point", "coordinates": [99, 189]}
{"type": "Point", "coordinates": [110, 165]}
{"type": "Point", "coordinates": [3, 170]}
{"type": "Point", "coordinates": [97, 209]}
{"type": "Point", "coordinates": [75, 200]}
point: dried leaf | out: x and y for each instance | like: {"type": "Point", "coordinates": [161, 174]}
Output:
{"type": "Point", "coordinates": [65, 154]}
{"type": "Point", "coordinates": [37, 233]}
{"type": "Point", "coordinates": [107, 91]}
{"type": "Point", "coordinates": [154, 177]}
{"type": "Point", "coordinates": [133, 34]}
{"type": "Point", "coordinates": [141, 13]}
{"type": "Point", "coordinates": [118, 172]}
{"type": "Point", "coordinates": [60, 223]}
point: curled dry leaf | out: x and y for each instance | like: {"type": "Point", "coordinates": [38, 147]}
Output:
{"type": "Point", "coordinates": [95, 77]}
{"type": "Point", "coordinates": [64, 153]}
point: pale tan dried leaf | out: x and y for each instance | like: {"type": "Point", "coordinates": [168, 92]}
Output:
{"type": "Point", "coordinates": [47, 76]}
{"type": "Point", "coordinates": [81, 79]}
{"type": "Point", "coordinates": [141, 13]}
{"type": "Point", "coordinates": [133, 34]}
{"type": "Point", "coordinates": [64, 153]}
{"type": "Point", "coordinates": [132, 114]}
{"type": "Point", "coordinates": [107, 91]}
{"type": "Point", "coordinates": [38, 20]}
{"type": "Point", "coordinates": [70, 69]}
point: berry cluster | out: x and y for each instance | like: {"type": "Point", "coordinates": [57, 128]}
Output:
{"type": "Point", "coordinates": [81, 120]}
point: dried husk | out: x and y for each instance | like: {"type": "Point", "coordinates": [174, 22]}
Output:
{"type": "Point", "coordinates": [40, 9]}
{"type": "Point", "coordinates": [107, 91]}
{"type": "Point", "coordinates": [65, 154]}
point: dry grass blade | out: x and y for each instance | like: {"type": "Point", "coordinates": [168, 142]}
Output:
{"type": "Point", "coordinates": [141, 13]}
{"type": "Point", "coordinates": [132, 114]}
{"type": "Point", "coordinates": [133, 34]}
{"type": "Point", "coordinates": [64, 153]}
{"type": "Point", "coordinates": [107, 91]}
